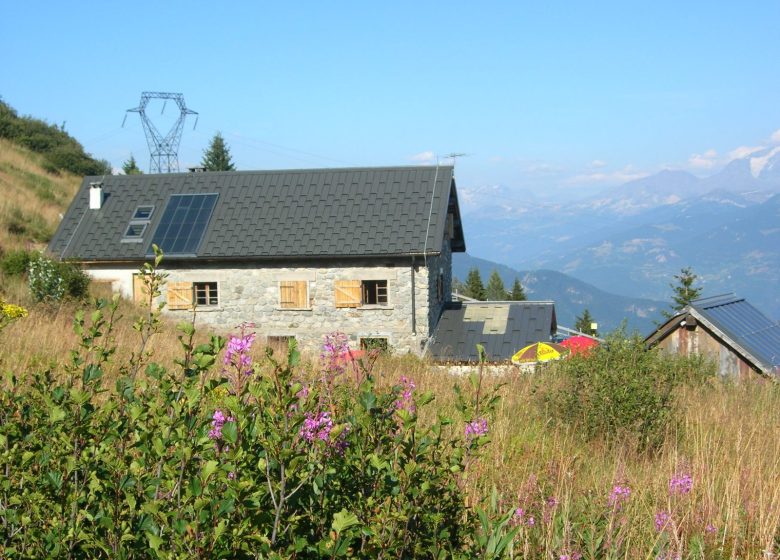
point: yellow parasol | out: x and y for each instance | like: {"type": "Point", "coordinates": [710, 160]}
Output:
{"type": "Point", "coordinates": [539, 352]}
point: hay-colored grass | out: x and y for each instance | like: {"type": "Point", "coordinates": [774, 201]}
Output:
{"type": "Point", "coordinates": [728, 441]}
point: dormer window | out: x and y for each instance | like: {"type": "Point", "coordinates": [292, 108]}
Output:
{"type": "Point", "coordinates": [143, 213]}
{"type": "Point", "coordinates": [136, 230]}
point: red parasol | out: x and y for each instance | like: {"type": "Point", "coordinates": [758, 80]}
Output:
{"type": "Point", "coordinates": [580, 344]}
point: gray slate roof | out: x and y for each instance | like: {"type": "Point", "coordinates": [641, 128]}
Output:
{"type": "Point", "coordinates": [502, 328]}
{"type": "Point", "coordinates": [305, 213]}
{"type": "Point", "coordinates": [745, 325]}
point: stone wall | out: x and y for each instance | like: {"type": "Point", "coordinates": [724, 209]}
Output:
{"type": "Point", "coordinates": [250, 292]}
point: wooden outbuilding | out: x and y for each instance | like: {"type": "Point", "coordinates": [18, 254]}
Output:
{"type": "Point", "coordinates": [727, 329]}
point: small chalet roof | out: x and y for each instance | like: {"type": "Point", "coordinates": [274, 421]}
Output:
{"type": "Point", "coordinates": [739, 324]}
{"type": "Point", "coordinates": [303, 213]}
{"type": "Point", "coordinates": [502, 327]}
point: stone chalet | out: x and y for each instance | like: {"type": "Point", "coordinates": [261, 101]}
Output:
{"type": "Point", "coordinates": [300, 253]}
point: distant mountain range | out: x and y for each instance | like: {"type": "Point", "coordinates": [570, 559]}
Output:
{"type": "Point", "coordinates": [632, 239]}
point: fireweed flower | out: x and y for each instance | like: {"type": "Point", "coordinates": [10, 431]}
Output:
{"type": "Point", "coordinates": [317, 427]}
{"type": "Point", "coordinates": [406, 402]}
{"type": "Point", "coordinates": [335, 346]}
{"type": "Point", "coordinates": [217, 421]}
{"type": "Point", "coordinates": [662, 519]}
{"type": "Point", "coordinates": [681, 484]}
{"type": "Point", "coordinates": [619, 495]}
{"type": "Point", "coordinates": [237, 353]}
{"type": "Point", "coordinates": [710, 529]}
{"type": "Point", "coordinates": [476, 428]}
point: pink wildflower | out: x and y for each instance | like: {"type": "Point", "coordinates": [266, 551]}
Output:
{"type": "Point", "coordinates": [237, 352]}
{"type": "Point", "coordinates": [662, 519]}
{"type": "Point", "coordinates": [680, 484]}
{"type": "Point", "coordinates": [476, 428]}
{"type": "Point", "coordinates": [406, 401]}
{"type": "Point", "coordinates": [619, 495]}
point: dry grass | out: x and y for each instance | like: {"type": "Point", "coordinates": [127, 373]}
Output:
{"type": "Point", "coordinates": [729, 442]}
{"type": "Point", "coordinates": [33, 200]}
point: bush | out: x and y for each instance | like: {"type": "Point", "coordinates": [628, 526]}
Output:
{"type": "Point", "coordinates": [45, 279]}
{"type": "Point", "coordinates": [74, 281]}
{"type": "Point", "coordinates": [15, 263]}
{"type": "Point", "coordinates": [621, 391]}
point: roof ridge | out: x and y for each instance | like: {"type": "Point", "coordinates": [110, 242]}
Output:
{"type": "Point", "coordinates": [290, 170]}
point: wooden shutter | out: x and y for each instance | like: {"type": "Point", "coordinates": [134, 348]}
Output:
{"type": "Point", "coordinates": [140, 291]}
{"type": "Point", "coordinates": [179, 295]}
{"type": "Point", "coordinates": [348, 293]}
{"type": "Point", "coordinates": [293, 294]}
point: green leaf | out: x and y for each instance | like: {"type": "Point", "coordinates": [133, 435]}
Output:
{"type": "Point", "coordinates": [226, 506]}
{"type": "Point", "coordinates": [208, 469]}
{"type": "Point", "coordinates": [91, 373]}
{"type": "Point", "coordinates": [154, 541]}
{"type": "Point", "coordinates": [230, 432]}
{"type": "Point", "coordinates": [368, 400]}
{"type": "Point", "coordinates": [196, 488]}
{"type": "Point", "coordinates": [344, 520]}
{"type": "Point", "coordinates": [56, 414]}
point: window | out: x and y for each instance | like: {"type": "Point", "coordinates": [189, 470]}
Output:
{"type": "Point", "coordinates": [359, 293]}
{"type": "Point", "coordinates": [374, 343]}
{"type": "Point", "coordinates": [374, 292]}
{"type": "Point", "coordinates": [143, 213]}
{"type": "Point", "coordinates": [185, 295]}
{"type": "Point", "coordinates": [135, 230]}
{"type": "Point", "coordinates": [440, 287]}
{"type": "Point", "coordinates": [294, 294]}
{"type": "Point", "coordinates": [206, 293]}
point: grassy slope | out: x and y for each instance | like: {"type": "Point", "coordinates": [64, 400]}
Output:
{"type": "Point", "coordinates": [32, 200]}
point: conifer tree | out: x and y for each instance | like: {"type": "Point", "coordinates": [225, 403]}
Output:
{"type": "Point", "coordinates": [130, 167]}
{"type": "Point", "coordinates": [474, 287]}
{"type": "Point", "coordinates": [517, 293]}
{"type": "Point", "coordinates": [584, 322]}
{"type": "Point", "coordinates": [684, 291]}
{"type": "Point", "coordinates": [217, 156]}
{"type": "Point", "coordinates": [495, 290]}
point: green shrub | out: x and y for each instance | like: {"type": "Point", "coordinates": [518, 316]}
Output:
{"type": "Point", "coordinates": [51, 280]}
{"type": "Point", "coordinates": [620, 391]}
{"type": "Point", "coordinates": [45, 279]}
{"type": "Point", "coordinates": [15, 263]}
{"type": "Point", "coordinates": [75, 282]}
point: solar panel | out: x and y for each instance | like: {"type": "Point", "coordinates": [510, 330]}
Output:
{"type": "Point", "coordinates": [183, 223]}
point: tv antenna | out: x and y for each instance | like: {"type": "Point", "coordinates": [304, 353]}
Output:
{"type": "Point", "coordinates": [455, 155]}
{"type": "Point", "coordinates": [163, 150]}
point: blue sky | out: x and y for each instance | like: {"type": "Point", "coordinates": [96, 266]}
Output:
{"type": "Point", "coordinates": [550, 96]}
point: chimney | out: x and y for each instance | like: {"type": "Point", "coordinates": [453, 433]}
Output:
{"type": "Point", "coordinates": [95, 195]}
